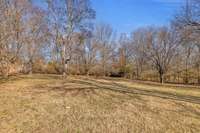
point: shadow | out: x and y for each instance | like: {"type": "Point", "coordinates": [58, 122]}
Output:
{"type": "Point", "coordinates": [10, 79]}
{"type": "Point", "coordinates": [164, 95]}
{"type": "Point", "coordinates": [85, 89]}
{"type": "Point", "coordinates": [94, 84]}
{"type": "Point", "coordinates": [186, 110]}
{"type": "Point", "coordinates": [75, 91]}
{"type": "Point", "coordinates": [63, 89]}
{"type": "Point", "coordinates": [19, 77]}
{"type": "Point", "coordinates": [153, 83]}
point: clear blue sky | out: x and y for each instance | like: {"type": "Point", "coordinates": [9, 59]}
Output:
{"type": "Point", "coordinates": [127, 15]}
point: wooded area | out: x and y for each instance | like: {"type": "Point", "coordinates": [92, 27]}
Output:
{"type": "Point", "coordinates": [61, 38]}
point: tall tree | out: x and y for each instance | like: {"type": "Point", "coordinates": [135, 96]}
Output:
{"type": "Point", "coordinates": [138, 42]}
{"type": "Point", "coordinates": [12, 28]}
{"type": "Point", "coordinates": [35, 37]}
{"type": "Point", "coordinates": [104, 36]}
{"type": "Point", "coordinates": [76, 16]}
{"type": "Point", "coordinates": [160, 49]}
{"type": "Point", "coordinates": [187, 24]}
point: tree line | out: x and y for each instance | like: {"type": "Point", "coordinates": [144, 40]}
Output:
{"type": "Point", "coordinates": [61, 37]}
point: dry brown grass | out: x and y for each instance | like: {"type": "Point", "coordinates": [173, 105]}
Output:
{"type": "Point", "coordinates": [48, 104]}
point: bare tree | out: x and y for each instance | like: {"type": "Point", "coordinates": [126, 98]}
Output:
{"type": "Point", "coordinates": [187, 23]}
{"type": "Point", "coordinates": [12, 29]}
{"type": "Point", "coordinates": [89, 54]}
{"type": "Point", "coordinates": [35, 36]}
{"type": "Point", "coordinates": [139, 42]}
{"type": "Point", "coordinates": [76, 14]}
{"type": "Point", "coordinates": [104, 37]}
{"type": "Point", "coordinates": [160, 49]}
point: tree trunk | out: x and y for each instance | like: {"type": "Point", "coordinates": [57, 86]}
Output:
{"type": "Point", "coordinates": [186, 72]}
{"type": "Point", "coordinates": [64, 70]}
{"type": "Point", "coordinates": [31, 68]}
{"type": "Point", "coordinates": [161, 75]}
{"type": "Point", "coordinates": [30, 72]}
{"type": "Point", "coordinates": [64, 61]}
{"type": "Point", "coordinates": [161, 78]}
{"type": "Point", "coordinates": [198, 73]}
{"type": "Point", "coordinates": [198, 65]}
{"type": "Point", "coordinates": [6, 74]}
{"type": "Point", "coordinates": [137, 72]}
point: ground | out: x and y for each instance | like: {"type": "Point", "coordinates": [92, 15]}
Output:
{"type": "Point", "coordinates": [49, 104]}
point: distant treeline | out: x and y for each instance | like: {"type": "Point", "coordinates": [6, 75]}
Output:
{"type": "Point", "coordinates": [60, 38]}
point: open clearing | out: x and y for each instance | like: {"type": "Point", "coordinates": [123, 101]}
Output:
{"type": "Point", "coordinates": [48, 104]}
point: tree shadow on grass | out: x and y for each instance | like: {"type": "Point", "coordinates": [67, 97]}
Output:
{"type": "Point", "coordinates": [189, 110]}
{"type": "Point", "coordinates": [15, 78]}
{"type": "Point", "coordinates": [94, 84]}
{"type": "Point", "coordinates": [154, 93]}
{"type": "Point", "coordinates": [93, 90]}
{"type": "Point", "coordinates": [9, 79]}
{"type": "Point", "coordinates": [85, 89]}
{"type": "Point", "coordinates": [74, 91]}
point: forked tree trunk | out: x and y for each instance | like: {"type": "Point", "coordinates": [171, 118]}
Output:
{"type": "Point", "coordinates": [161, 75]}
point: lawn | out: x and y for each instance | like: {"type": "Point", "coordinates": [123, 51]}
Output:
{"type": "Point", "coordinates": [49, 104]}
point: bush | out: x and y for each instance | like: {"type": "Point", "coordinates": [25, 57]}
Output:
{"type": "Point", "coordinates": [53, 68]}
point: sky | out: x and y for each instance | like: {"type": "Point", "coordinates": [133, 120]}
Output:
{"type": "Point", "coordinates": [127, 15]}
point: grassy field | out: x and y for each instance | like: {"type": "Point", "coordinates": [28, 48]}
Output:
{"type": "Point", "coordinates": [48, 104]}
